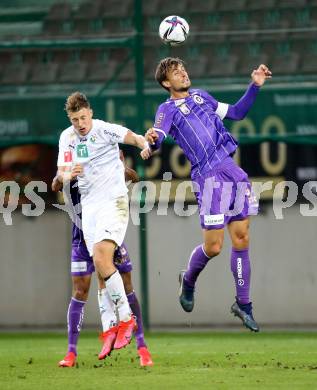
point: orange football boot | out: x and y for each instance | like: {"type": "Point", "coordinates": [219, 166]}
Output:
{"type": "Point", "coordinates": [108, 338]}
{"type": "Point", "coordinates": [125, 331]}
{"type": "Point", "coordinates": [145, 357]}
{"type": "Point", "coordinates": [68, 361]}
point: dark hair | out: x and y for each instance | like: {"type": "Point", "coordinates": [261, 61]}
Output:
{"type": "Point", "coordinates": [76, 101]}
{"type": "Point", "coordinates": [164, 67]}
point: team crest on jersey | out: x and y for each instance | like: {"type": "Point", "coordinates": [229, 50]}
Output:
{"type": "Point", "coordinates": [93, 139]}
{"type": "Point", "coordinates": [184, 109]}
{"type": "Point", "coordinates": [198, 99]}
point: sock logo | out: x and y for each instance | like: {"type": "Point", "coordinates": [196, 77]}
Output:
{"type": "Point", "coordinates": [239, 270]}
{"type": "Point", "coordinates": [116, 297]}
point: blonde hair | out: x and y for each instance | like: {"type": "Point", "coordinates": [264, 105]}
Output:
{"type": "Point", "coordinates": [76, 101]}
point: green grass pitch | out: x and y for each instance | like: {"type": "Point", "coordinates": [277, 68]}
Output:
{"type": "Point", "coordinates": [182, 361]}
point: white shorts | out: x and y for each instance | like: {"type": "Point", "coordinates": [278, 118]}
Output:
{"type": "Point", "coordinates": [106, 221]}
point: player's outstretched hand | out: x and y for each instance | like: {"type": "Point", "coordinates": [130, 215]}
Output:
{"type": "Point", "coordinates": [77, 170]}
{"type": "Point", "coordinates": [260, 75]}
{"type": "Point", "coordinates": [151, 136]}
{"type": "Point", "coordinates": [146, 153]}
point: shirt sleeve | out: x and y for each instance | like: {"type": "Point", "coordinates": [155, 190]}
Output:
{"type": "Point", "coordinates": [240, 109]}
{"type": "Point", "coordinates": [219, 108]}
{"type": "Point", "coordinates": [113, 133]}
{"type": "Point", "coordinates": [162, 125]}
{"type": "Point", "coordinates": [65, 154]}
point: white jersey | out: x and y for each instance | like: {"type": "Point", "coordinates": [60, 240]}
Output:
{"type": "Point", "coordinates": [98, 153]}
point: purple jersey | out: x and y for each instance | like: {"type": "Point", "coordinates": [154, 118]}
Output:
{"type": "Point", "coordinates": [195, 123]}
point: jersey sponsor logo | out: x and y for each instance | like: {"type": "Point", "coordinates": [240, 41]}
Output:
{"type": "Point", "coordinates": [217, 219]}
{"type": "Point", "coordinates": [111, 133]}
{"type": "Point", "coordinates": [68, 156]}
{"type": "Point", "coordinates": [184, 109]}
{"type": "Point", "coordinates": [159, 119]}
{"type": "Point", "coordinates": [198, 99]}
{"type": "Point", "coordinates": [82, 151]}
{"type": "Point", "coordinates": [79, 266]}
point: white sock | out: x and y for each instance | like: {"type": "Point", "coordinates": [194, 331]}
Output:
{"type": "Point", "coordinates": [118, 296]}
{"type": "Point", "coordinates": [107, 310]}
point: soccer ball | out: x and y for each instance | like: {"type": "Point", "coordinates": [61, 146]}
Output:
{"type": "Point", "coordinates": [173, 30]}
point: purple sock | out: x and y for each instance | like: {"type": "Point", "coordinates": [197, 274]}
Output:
{"type": "Point", "coordinates": [75, 316]}
{"type": "Point", "coordinates": [241, 270]}
{"type": "Point", "coordinates": [197, 262]}
{"type": "Point", "coordinates": [136, 310]}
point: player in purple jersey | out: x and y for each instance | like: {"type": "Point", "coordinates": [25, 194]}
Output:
{"type": "Point", "coordinates": [194, 119]}
{"type": "Point", "coordinates": [82, 268]}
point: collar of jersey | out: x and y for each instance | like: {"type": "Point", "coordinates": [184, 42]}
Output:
{"type": "Point", "coordinates": [180, 101]}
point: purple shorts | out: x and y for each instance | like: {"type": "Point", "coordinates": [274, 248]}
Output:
{"type": "Point", "coordinates": [224, 195]}
{"type": "Point", "coordinates": [82, 264]}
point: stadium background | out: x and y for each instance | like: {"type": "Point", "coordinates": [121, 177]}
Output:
{"type": "Point", "coordinates": [49, 49]}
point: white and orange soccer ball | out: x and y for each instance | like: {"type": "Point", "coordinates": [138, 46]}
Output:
{"type": "Point", "coordinates": [173, 30]}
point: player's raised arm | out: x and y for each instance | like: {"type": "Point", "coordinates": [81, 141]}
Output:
{"type": "Point", "coordinates": [240, 109]}
{"type": "Point", "coordinates": [139, 141]}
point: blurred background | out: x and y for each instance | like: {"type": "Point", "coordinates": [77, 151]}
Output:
{"type": "Point", "coordinates": [109, 49]}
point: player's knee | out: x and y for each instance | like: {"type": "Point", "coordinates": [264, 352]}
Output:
{"type": "Point", "coordinates": [240, 240]}
{"type": "Point", "coordinates": [81, 290]}
{"type": "Point", "coordinates": [80, 293]}
{"type": "Point", "coordinates": [104, 264]}
{"type": "Point", "coordinates": [213, 249]}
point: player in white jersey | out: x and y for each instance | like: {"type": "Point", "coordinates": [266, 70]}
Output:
{"type": "Point", "coordinates": [88, 151]}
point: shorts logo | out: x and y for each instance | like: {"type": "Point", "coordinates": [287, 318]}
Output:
{"type": "Point", "coordinates": [198, 99]}
{"type": "Point", "coordinates": [240, 282]}
{"type": "Point", "coordinates": [210, 220]}
{"type": "Point", "coordinates": [79, 266]}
